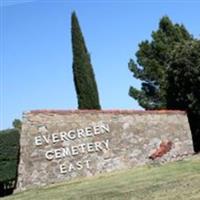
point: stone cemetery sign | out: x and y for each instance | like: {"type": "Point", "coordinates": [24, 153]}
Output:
{"type": "Point", "coordinates": [62, 145]}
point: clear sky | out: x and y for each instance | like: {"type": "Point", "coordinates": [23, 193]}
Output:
{"type": "Point", "coordinates": [36, 54]}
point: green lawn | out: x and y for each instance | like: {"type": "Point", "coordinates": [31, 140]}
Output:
{"type": "Point", "coordinates": [174, 181]}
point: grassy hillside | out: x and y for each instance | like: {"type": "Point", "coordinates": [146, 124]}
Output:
{"type": "Point", "coordinates": [174, 181]}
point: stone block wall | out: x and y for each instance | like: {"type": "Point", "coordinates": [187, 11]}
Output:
{"type": "Point", "coordinates": [58, 145]}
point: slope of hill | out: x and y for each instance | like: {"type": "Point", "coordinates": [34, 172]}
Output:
{"type": "Point", "coordinates": [175, 181]}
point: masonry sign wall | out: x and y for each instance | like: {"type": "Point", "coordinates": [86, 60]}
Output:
{"type": "Point", "coordinates": [72, 146]}
{"type": "Point", "coordinates": [62, 145]}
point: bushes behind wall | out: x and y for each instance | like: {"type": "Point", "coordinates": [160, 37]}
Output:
{"type": "Point", "coordinates": [9, 158]}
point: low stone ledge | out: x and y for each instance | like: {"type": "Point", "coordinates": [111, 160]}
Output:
{"type": "Point", "coordinates": [142, 112]}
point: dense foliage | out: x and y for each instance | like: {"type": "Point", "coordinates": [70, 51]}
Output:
{"type": "Point", "coordinates": [17, 124]}
{"type": "Point", "coordinates": [9, 157]}
{"type": "Point", "coordinates": [153, 58]}
{"type": "Point", "coordinates": [84, 79]}
{"type": "Point", "coordinates": [183, 90]}
{"type": "Point", "coordinates": [169, 68]}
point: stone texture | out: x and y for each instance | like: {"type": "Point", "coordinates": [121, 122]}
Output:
{"type": "Point", "coordinates": [133, 136]}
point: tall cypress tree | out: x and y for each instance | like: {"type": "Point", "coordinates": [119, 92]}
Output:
{"type": "Point", "coordinates": [84, 78]}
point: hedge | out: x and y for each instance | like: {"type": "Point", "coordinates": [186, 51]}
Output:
{"type": "Point", "coordinates": [9, 158]}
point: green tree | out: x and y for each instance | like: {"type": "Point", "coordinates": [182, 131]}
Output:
{"type": "Point", "coordinates": [84, 79]}
{"type": "Point", "coordinates": [168, 67]}
{"type": "Point", "coordinates": [17, 124]}
{"type": "Point", "coordinates": [183, 90]}
{"type": "Point", "coordinates": [153, 59]}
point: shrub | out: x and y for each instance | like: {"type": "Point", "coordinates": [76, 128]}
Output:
{"type": "Point", "coordinates": [9, 158]}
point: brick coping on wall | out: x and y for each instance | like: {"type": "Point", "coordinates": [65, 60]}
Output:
{"type": "Point", "coordinates": [142, 112]}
